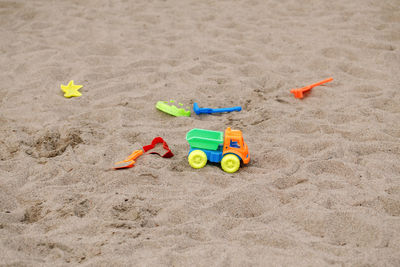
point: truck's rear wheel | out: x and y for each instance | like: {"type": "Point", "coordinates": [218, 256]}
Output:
{"type": "Point", "coordinates": [197, 159]}
{"type": "Point", "coordinates": [230, 163]}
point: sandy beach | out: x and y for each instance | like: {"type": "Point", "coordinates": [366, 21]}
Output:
{"type": "Point", "coordinates": [323, 184]}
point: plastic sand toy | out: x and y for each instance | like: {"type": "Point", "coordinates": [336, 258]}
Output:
{"type": "Point", "coordinates": [213, 146]}
{"type": "Point", "coordinates": [199, 110]}
{"type": "Point", "coordinates": [130, 161]}
{"type": "Point", "coordinates": [173, 110]}
{"type": "Point", "coordinates": [158, 140]}
{"type": "Point", "coordinates": [71, 89]}
{"type": "Point", "coordinates": [298, 92]}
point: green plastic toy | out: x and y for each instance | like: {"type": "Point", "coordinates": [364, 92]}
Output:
{"type": "Point", "coordinates": [171, 109]}
{"type": "Point", "coordinates": [205, 139]}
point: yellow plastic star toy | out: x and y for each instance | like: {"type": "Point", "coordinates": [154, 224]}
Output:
{"type": "Point", "coordinates": [71, 89]}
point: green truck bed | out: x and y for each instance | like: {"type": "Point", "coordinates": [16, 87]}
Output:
{"type": "Point", "coordinates": [204, 139]}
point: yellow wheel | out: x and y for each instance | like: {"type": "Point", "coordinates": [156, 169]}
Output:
{"type": "Point", "coordinates": [197, 159]}
{"type": "Point", "coordinates": [230, 163]}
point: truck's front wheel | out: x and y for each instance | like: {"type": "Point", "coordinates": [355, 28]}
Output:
{"type": "Point", "coordinates": [230, 163]}
{"type": "Point", "coordinates": [197, 159]}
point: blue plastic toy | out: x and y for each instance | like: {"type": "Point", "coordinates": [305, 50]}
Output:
{"type": "Point", "coordinates": [199, 111]}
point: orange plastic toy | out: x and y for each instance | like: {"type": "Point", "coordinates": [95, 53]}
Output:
{"type": "Point", "coordinates": [298, 92]}
{"type": "Point", "coordinates": [240, 149]}
{"type": "Point", "coordinates": [129, 161]}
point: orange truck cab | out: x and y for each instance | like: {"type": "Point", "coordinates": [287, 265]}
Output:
{"type": "Point", "coordinates": [234, 144]}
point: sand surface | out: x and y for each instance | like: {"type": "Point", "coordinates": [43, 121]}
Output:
{"type": "Point", "coordinates": [323, 185]}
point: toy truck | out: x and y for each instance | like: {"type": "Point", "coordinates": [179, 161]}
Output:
{"type": "Point", "coordinates": [213, 146]}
